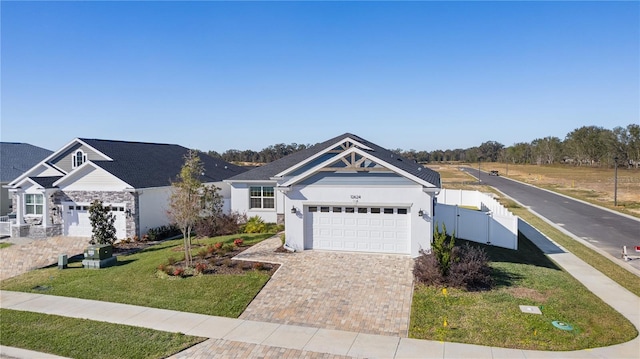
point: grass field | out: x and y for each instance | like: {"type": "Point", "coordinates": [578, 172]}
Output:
{"type": "Point", "coordinates": [81, 338]}
{"type": "Point", "coordinates": [134, 281]}
{"type": "Point", "coordinates": [591, 184]}
{"type": "Point", "coordinates": [523, 277]}
{"type": "Point", "coordinates": [5, 245]}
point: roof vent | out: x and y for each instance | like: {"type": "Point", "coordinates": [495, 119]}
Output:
{"type": "Point", "coordinates": [225, 167]}
{"type": "Point", "coordinates": [419, 168]}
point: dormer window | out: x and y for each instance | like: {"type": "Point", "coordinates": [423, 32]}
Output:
{"type": "Point", "coordinates": [79, 158]}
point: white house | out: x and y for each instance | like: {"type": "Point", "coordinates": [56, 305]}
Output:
{"type": "Point", "coordinates": [345, 194]}
{"type": "Point", "coordinates": [132, 178]}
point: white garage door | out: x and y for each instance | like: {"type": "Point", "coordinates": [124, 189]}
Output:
{"type": "Point", "coordinates": [361, 229]}
{"type": "Point", "coordinates": [77, 223]}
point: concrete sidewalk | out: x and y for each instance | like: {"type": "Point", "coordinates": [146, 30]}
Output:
{"type": "Point", "coordinates": [237, 338]}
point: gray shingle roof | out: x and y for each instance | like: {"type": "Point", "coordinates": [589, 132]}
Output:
{"type": "Point", "coordinates": [144, 165]}
{"type": "Point", "coordinates": [46, 182]}
{"type": "Point", "coordinates": [17, 158]}
{"type": "Point", "coordinates": [269, 170]}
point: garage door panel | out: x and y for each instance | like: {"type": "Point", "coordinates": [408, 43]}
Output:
{"type": "Point", "coordinates": [77, 222]}
{"type": "Point", "coordinates": [364, 231]}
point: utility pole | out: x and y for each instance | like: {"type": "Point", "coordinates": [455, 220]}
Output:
{"type": "Point", "coordinates": [615, 182]}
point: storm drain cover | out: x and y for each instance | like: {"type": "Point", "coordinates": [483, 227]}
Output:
{"type": "Point", "coordinates": [532, 309]}
{"type": "Point", "coordinates": [562, 325]}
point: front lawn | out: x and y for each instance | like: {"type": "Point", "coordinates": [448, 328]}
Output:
{"type": "Point", "coordinates": [82, 338]}
{"type": "Point", "coordinates": [5, 245]}
{"type": "Point", "coordinates": [523, 277]}
{"type": "Point", "coordinates": [134, 281]}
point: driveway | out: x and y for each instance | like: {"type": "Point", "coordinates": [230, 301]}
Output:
{"type": "Point", "coordinates": [26, 255]}
{"type": "Point", "coordinates": [367, 293]}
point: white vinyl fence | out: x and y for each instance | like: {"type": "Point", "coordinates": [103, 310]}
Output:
{"type": "Point", "coordinates": [490, 223]}
{"type": "Point", "coordinates": [5, 226]}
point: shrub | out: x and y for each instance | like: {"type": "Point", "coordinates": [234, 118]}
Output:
{"type": "Point", "coordinates": [231, 223]}
{"type": "Point", "coordinates": [206, 227]}
{"type": "Point", "coordinates": [178, 271]}
{"type": "Point", "coordinates": [162, 232]}
{"type": "Point", "coordinates": [427, 270]}
{"type": "Point", "coordinates": [255, 224]}
{"type": "Point", "coordinates": [229, 263]}
{"type": "Point", "coordinates": [162, 267]}
{"type": "Point", "coordinates": [171, 260]}
{"type": "Point", "coordinates": [202, 253]}
{"type": "Point", "coordinates": [238, 242]}
{"type": "Point", "coordinates": [258, 266]}
{"type": "Point", "coordinates": [227, 248]}
{"type": "Point", "coordinates": [442, 248]}
{"type": "Point", "coordinates": [218, 245]}
{"type": "Point", "coordinates": [168, 270]}
{"type": "Point", "coordinates": [201, 267]}
{"type": "Point", "coordinates": [282, 238]}
{"type": "Point", "coordinates": [274, 228]}
{"type": "Point", "coordinates": [470, 269]}
{"type": "Point", "coordinates": [211, 249]}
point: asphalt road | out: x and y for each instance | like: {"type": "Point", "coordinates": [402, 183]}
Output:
{"type": "Point", "coordinates": [605, 230]}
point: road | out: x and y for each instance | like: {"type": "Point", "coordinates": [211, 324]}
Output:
{"type": "Point", "coordinates": [606, 230]}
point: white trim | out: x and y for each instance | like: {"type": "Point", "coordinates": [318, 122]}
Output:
{"type": "Point", "coordinates": [262, 197]}
{"type": "Point", "coordinates": [70, 176]}
{"type": "Point", "coordinates": [395, 169]}
{"type": "Point", "coordinates": [74, 158]}
{"type": "Point", "coordinates": [309, 159]}
{"type": "Point", "coordinates": [55, 154]}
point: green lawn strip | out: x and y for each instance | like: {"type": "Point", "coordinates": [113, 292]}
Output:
{"type": "Point", "coordinates": [134, 281]}
{"type": "Point", "coordinates": [5, 245]}
{"type": "Point", "coordinates": [525, 277]}
{"type": "Point", "coordinates": [82, 338]}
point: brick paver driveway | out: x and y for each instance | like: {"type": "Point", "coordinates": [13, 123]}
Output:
{"type": "Point", "coordinates": [367, 293]}
{"type": "Point", "coordinates": [21, 258]}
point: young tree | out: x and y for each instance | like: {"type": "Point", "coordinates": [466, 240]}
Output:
{"type": "Point", "coordinates": [191, 200]}
{"type": "Point", "coordinates": [102, 224]}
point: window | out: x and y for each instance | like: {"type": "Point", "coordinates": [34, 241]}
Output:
{"type": "Point", "coordinates": [261, 197]}
{"type": "Point", "coordinates": [313, 209]}
{"type": "Point", "coordinates": [34, 203]}
{"type": "Point", "coordinates": [362, 210]}
{"type": "Point", "coordinates": [402, 211]}
{"type": "Point", "coordinates": [388, 211]}
{"type": "Point", "coordinates": [375, 210]}
{"type": "Point", "coordinates": [79, 158]}
{"type": "Point", "coordinates": [349, 210]}
{"type": "Point", "coordinates": [324, 209]}
{"type": "Point", "coordinates": [337, 209]}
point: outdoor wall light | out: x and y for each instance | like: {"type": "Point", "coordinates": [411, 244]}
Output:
{"type": "Point", "coordinates": [128, 212]}
{"type": "Point", "coordinates": [293, 210]}
{"type": "Point", "coordinates": [420, 213]}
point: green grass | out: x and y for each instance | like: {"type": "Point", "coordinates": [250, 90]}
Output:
{"type": "Point", "coordinates": [5, 245]}
{"type": "Point", "coordinates": [134, 281]}
{"type": "Point", "coordinates": [523, 277]}
{"type": "Point", "coordinates": [82, 338]}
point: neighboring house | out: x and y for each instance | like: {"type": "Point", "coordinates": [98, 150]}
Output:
{"type": "Point", "coordinates": [132, 178]}
{"type": "Point", "coordinates": [345, 194]}
{"type": "Point", "coordinates": [15, 159]}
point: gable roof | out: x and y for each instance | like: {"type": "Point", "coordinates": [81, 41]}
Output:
{"type": "Point", "coordinates": [268, 171]}
{"type": "Point", "coordinates": [16, 158]}
{"type": "Point", "coordinates": [144, 165]}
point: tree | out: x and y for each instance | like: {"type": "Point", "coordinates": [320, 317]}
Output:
{"type": "Point", "coordinates": [102, 223]}
{"type": "Point", "coordinates": [186, 200]}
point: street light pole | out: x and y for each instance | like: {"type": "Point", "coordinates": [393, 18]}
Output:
{"type": "Point", "coordinates": [479, 170]}
{"type": "Point", "coordinates": [615, 182]}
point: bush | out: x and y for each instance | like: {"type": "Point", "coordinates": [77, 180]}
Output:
{"type": "Point", "coordinates": [201, 267]}
{"type": "Point", "coordinates": [470, 269]}
{"type": "Point", "coordinates": [443, 248]}
{"type": "Point", "coordinates": [162, 232]}
{"type": "Point", "coordinates": [202, 253]}
{"type": "Point", "coordinates": [427, 270]}
{"type": "Point", "coordinates": [238, 242]}
{"type": "Point", "coordinates": [255, 224]}
{"type": "Point", "coordinates": [206, 227]}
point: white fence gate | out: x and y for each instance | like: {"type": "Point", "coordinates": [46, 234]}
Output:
{"type": "Point", "coordinates": [5, 226]}
{"type": "Point", "coordinates": [491, 223]}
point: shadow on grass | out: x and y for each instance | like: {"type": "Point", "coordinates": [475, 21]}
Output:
{"type": "Point", "coordinates": [527, 253]}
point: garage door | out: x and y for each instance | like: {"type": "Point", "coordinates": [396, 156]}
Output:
{"type": "Point", "coordinates": [77, 223]}
{"type": "Point", "coordinates": [361, 229]}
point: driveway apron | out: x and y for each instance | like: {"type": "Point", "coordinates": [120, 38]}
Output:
{"type": "Point", "coordinates": [38, 253]}
{"type": "Point", "coordinates": [359, 292]}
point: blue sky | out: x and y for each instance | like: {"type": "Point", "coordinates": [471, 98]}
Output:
{"type": "Point", "coordinates": [245, 75]}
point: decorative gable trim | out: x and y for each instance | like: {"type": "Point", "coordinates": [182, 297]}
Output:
{"type": "Point", "coordinates": [46, 161]}
{"type": "Point", "coordinates": [355, 159]}
{"type": "Point", "coordinates": [78, 173]}
{"type": "Point", "coordinates": [338, 147]}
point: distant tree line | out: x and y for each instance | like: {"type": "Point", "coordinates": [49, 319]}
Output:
{"type": "Point", "coordinates": [266, 155]}
{"type": "Point", "coordinates": [584, 146]}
